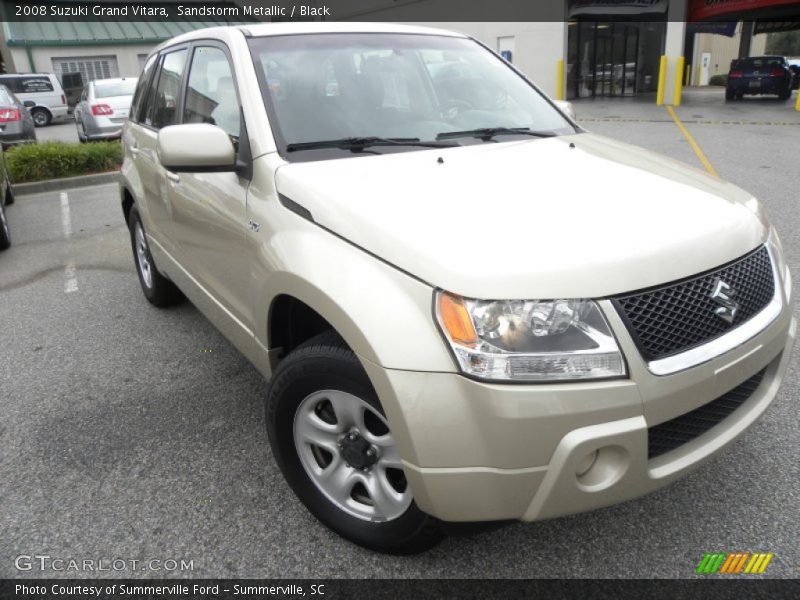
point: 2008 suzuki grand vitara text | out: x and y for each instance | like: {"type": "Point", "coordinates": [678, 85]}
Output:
{"type": "Point", "coordinates": [470, 308]}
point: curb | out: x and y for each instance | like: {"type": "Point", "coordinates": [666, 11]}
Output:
{"type": "Point", "coordinates": [54, 185]}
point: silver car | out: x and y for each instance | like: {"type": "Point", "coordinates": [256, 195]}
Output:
{"type": "Point", "coordinates": [103, 108]}
{"type": "Point", "coordinates": [16, 122]}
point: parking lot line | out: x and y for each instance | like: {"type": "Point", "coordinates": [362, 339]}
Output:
{"type": "Point", "coordinates": [692, 142]}
{"type": "Point", "coordinates": [70, 278]}
{"type": "Point", "coordinates": [66, 219]}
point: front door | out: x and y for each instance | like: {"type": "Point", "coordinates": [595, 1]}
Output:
{"type": "Point", "coordinates": [208, 210]}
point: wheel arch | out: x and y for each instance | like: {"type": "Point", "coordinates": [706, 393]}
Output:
{"type": "Point", "coordinates": [300, 311]}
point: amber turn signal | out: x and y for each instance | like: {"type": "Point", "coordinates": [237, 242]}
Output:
{"type": "Point", "coordinates": [455, 320]}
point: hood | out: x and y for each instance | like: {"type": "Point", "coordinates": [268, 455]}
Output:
{"type": "Point", "coordinates": [570, 216]}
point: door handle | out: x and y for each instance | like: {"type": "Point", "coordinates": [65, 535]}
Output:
{"type": "Point", "coordinates": [134, 148]}
{"type": "Point", "coordinates": [173, 177]}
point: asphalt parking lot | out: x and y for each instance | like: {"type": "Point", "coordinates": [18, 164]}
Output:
{"type": "Point", "coordinates": [134, 433]}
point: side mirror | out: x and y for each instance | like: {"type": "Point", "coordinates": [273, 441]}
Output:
{"type": "Point", "coordinates": [566, 107]}
{"type": "Point", "coordinates": [196, 147]}
{"type": "Point", "coordinates": [29, 104]}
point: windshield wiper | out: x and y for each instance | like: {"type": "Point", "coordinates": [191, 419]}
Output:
{"type": "Point", "coordinates": [487, 133]}
{"type": "Point", "coordinates": [356, 144]}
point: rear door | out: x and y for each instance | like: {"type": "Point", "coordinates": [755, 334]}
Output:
{"type": "Point", "coordinates": [160, 109]}
{"type": "Point", "coordinates": [208, 210]}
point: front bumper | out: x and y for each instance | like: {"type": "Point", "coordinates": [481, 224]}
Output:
{"type": "Point", "coordinates": [476, 451]}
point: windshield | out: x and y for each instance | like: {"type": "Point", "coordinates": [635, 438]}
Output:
{"type": "Point", "coordinates": [107, 89]}
{"type": "Point", "coordinates": [323, 87]}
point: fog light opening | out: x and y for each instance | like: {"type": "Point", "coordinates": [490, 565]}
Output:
{"type": "Point", "coordinates": [609, 465]}
{"type": "Point", "coordinates": [586, 464]}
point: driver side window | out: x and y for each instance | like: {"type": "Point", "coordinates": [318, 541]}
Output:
{"type": "Point", "coordinates": [211, 92]}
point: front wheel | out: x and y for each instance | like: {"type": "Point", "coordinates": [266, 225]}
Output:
{"type": "Point", "coordinates": [332, 442]}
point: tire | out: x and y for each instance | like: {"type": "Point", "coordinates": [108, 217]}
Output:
{"type": "Point", "coordinates": [785, 95]}
{"type": "Point", "coordinates": [158, 290]}
{"type": "Point", "coordinates": [5, 236]}
{"type": "Point", "coordinates": [81, 132]}
{"type": "Point", "coordinates": [41, 117]}
{"type": "Point", "coordinates": [322, 382]}
{"type": "Point", "coordinates": [729, 95]}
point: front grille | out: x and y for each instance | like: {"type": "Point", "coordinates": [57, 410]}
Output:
{"type": "Point", "coordinates": [672, 434]}
{"type": "Point", "coordinates": [676, 317]}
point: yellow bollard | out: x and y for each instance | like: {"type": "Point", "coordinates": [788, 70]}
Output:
{"type": "Point", "coordinates": [676, 96]}
{"type": "Point", "coordinates": [560, 80]}
{"type": "Point", "coordinates": [797, 105]}
{"type": "Point", "coordinates": [662, 80]}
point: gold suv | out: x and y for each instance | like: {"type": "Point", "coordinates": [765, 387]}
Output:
{"type": "Point", "coordinates": [470, 309]}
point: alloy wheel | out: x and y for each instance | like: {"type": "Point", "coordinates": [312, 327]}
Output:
{"type": "Point", "coordinates": [143, 256]}
{"type": "Point", "coordinates": [347, 450]}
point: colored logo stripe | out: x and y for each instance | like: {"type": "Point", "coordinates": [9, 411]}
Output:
{"type": "Point", "coordinates": [734, 563]}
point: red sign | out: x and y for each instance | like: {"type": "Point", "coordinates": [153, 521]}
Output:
{"type": "Point", "coordinates": [700, 10]}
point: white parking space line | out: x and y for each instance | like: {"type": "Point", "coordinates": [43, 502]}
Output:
{"type": "Point", "coordinates": [70, 276]}
{"type": "Point", "coordinates": [66, 219]}
{"type": "Point", "coordinates": [70, 280]}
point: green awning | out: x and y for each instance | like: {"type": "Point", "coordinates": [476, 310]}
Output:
{"type": "Point", "coordinates": [35, 33]}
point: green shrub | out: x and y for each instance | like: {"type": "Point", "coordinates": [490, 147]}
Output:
{"type": "Point", "coordinates": [51, 160]}
{"type": "Point", "coordinates": [718, 80]}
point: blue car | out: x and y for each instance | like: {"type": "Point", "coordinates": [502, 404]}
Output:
{"type": "Point", "coordinates": [759, 75]}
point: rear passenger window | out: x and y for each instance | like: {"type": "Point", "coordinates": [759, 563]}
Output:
{"type": "Point", "coordinates": [164, 103]}
{"type": "Point", "coordinates": [141, 88]}
{"type": "Point", "coordinates": [211, 94]}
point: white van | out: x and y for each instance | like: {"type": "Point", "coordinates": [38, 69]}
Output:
{"type": "Point", "coordinates": [44, 90]}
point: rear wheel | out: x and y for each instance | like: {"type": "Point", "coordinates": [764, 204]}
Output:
{"type": "Point", "coordinates": [158, 290]}
{"type": "Point", "coordinates": [729, 95]}
{"type": "Point", "coordinates": [786, 94]}
{"type": "Point", "coordinates": [81, 131]}
{"type": "Point", "coordinates": [333, 444]}
{"type": "Point", "coordinates": [41, 117]}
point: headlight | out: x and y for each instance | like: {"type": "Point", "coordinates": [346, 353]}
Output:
{"type": "Point", "coordinates": [781, 266]}
{"type": "Point", "coordinates": [529, 340]}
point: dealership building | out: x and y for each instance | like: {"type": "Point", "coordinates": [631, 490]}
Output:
{"type": "Point", "coordinates": [577, 48]}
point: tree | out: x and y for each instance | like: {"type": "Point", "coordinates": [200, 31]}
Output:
{"type": "Point", "coordinates": [784, 43]}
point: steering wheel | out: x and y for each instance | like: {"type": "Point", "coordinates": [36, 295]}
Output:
{"type": "Point", "coordinates": [452, 107]}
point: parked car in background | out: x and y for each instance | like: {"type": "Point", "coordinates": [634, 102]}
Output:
{"type": "Point", "coordinates": [46, 93]}
{"type": "Point", "coordinates": [794, 67]}
{"type": "Point", "coordinates": [6, 198]}
{"type": "Point", "coordinates": [759, 75]}
{"type": "Point", "coordinates": [16, 122]}
{"type": "Point", "coordinates": [103, 108]}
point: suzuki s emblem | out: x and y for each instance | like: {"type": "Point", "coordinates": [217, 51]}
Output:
{"type": "Point", "coordinates": [723, 295]}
